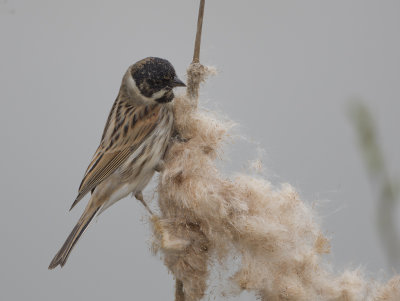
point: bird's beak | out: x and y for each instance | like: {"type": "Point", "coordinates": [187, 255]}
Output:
{"type": "Point", "coordinates": [176, 82]}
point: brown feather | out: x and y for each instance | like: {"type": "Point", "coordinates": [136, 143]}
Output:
{"type": "Point", "coordinates": [62, 255]}
{"type": "Point", "coordinates": [107, 159]}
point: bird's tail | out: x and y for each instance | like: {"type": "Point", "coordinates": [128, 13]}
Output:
{"type": "Point", "coordinates": [62, 255]}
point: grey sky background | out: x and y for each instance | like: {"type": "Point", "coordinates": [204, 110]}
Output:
{"type": "Point", "coordinates": [287, 70]}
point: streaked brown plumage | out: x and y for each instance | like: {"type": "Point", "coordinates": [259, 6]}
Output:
{"type": "Point", "coordinates": [135, 138]}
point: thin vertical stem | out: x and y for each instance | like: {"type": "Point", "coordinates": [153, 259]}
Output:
{"type": "Point", "coordinates": [196, 54]}
{"type": "Point", "coordinates": [195, 69]}
{"type": "Point", "coordinates": [192, 88]}
{"type": "Point", "coordinates": [179, 294]}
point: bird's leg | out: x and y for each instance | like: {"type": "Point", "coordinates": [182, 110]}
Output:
{"type": "Point", "coordinates": [139, 196]}
{"type": "Point", "coordinates": [160, 166]}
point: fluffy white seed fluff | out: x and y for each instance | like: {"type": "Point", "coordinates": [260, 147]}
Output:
{"type": "Point", "coordinates": [206, 216]}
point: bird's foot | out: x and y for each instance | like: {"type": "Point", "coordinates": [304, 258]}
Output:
{"type": "Point", "coordinates": [160, 166]}
{"type": "Point", "coordinates": [139, 196]}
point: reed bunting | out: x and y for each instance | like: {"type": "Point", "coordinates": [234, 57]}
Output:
{"type": "Point", "coordinates": [133, 144]}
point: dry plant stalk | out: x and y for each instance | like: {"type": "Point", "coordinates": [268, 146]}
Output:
{"type": "Point", "coordinates": [206, 216]}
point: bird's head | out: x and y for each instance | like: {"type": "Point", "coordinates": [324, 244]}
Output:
{"type": "Point", "coordinates": [152, 79]}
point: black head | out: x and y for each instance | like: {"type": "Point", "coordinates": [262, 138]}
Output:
{"type": "Point", "coordinates": [155, 78]}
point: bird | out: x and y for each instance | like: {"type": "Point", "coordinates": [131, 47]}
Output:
{"type": "Point", "coordinates": [134, 142]}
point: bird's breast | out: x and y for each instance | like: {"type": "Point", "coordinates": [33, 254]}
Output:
{"type": "Point", "coordinates": [140, 165]}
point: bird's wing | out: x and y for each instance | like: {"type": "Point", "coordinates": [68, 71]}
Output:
{"type": "Point", "coordinates": [126, 135]}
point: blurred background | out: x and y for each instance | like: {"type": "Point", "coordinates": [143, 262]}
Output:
{"type": "Point", "coordinates": [315, 84]}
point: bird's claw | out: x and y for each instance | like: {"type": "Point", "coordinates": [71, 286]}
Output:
{"type": "Point", "coordinates": [139, 196]}
{"type": "Point", "coordinates": [160, 166]}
